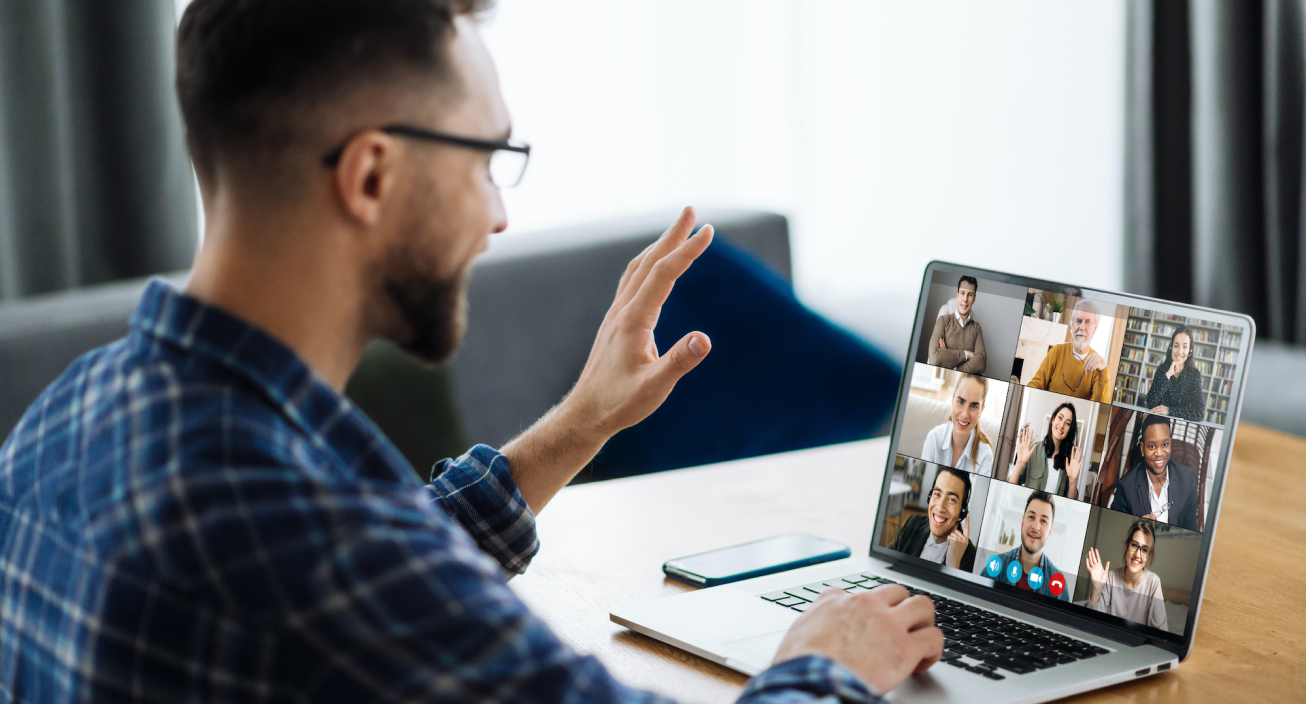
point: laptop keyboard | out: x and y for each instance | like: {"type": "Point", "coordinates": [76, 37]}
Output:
{"type": "Point", "coordinates": [977, 640]}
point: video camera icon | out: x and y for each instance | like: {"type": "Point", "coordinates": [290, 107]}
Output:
{"type": "Point", "coordinates": [1035, 578]}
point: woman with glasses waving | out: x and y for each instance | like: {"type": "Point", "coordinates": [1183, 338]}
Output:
{"type": "Point", "coordinates": [1130, 591]}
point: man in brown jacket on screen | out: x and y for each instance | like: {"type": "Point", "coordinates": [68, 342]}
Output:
{"type": "Point", "coordinates": [958, 341]}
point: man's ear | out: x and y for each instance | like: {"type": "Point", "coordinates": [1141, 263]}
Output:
{"type": "Point", "coordinates": [365, 175]}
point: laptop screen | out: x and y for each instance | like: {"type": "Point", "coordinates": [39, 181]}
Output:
{"type": "Point", "coordinates": [1063, 445]}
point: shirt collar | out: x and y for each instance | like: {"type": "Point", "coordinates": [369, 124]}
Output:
{"type": "Point", "coordinates": [1078, 356]}
{"type": "Point", "coordinates": [959, 318]}
{"type": "Point", "coordinates": [330, 420]}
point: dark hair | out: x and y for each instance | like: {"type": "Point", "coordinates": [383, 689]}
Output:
{"type": "Point", "coordinates": [1041, 495]}
{"type": "Point", "coordinates": [968, 280]}
{"type": "Point", "coordinates": [1189, 367]}
{"type": "Point", "coordinates": [1146, 528]}
{"type": "Point", "coordinates": [1061, 454]}
{"type": "Point", "coordinates": [1154, 419]}
{"type": "Point", "coordinates": [964, 476]}
{"type": "Point", "coordinates": [246, 67]}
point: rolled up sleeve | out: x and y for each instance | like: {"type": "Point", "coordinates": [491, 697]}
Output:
{"type": "Point", "coordinates": [477, 490]}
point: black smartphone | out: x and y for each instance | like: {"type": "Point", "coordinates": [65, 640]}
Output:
{"type": "Point", "coordinates": [755, 559]}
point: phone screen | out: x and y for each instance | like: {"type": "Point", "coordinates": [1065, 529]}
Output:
{"type": "Point", "coordinates": [757, 555]}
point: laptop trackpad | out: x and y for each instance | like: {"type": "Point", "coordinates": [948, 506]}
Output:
{"type": "Point", "coordinates": [761, 647]}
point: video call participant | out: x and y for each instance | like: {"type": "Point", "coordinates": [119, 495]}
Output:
{"type": "Point", "coordinates": [942, 535]}
{"type": "Point", "coordinates": [959, 442]}
{"type": "Point", "coordinates": [1156, 487]}
{"type": "Point", "coordinates": [1130, 591]}
{"type": "Point", "coordinates": [1073, 368]}
{"type": "Point", "coordinates": [1035, 529]}
{"type": "Point", "coordinates": [1031, 468]}
{"type": "Point", "coordinates": [957, 341]}
{"type": "Point", "coordinates": [1176, 388]}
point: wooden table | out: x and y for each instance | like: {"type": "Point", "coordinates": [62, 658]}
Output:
{"type": "Point", "coordinates": [603, 544]}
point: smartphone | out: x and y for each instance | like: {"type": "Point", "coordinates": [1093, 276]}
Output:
{"type": "Point", "coordinates": [755, 559]}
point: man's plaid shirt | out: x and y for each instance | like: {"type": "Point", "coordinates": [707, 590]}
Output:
{"type": "Point", "coordinates": [190, 514]}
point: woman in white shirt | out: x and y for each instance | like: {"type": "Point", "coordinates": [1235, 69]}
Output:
{"type": "Point", "coordinates": [959, 442]}
{"type": "Point", "coordinates": [1130, 591]}
{"type": "Point", "coordinates": [1051, 465]}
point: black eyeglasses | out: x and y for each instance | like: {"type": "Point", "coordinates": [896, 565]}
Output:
{"type": "Point", "coordinates": [508, 157]}
{"type": "Point", "coordinates": [1142, 549]}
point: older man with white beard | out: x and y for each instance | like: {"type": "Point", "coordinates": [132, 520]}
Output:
{"type": "Point", "coordinates": [1073, 368]}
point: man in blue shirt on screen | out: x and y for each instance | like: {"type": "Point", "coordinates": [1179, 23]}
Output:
{"type": "Point", "coordinates": [1026, 566]}
{"type": "Point", "coordinates": [196, 513]}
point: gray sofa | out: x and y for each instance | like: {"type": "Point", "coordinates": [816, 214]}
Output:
{"type": "Point", "coordinates": [535, 300]}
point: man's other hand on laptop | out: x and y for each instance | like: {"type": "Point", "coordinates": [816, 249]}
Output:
{"type": "Point", "coordinates": [882, 635]}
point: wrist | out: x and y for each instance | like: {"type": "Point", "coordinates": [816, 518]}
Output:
{"type": "Point", "coordinates": [583, 425]}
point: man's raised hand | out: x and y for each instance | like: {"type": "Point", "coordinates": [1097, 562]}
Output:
{"type": "Point", "coordinates": [625, 379]}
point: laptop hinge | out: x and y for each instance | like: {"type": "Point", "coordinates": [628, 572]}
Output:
{"type": "Point", "coordinates": [1013, 602]}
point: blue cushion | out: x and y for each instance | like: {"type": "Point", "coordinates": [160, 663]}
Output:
{"type": "Point", "coordinates": [779, 376]}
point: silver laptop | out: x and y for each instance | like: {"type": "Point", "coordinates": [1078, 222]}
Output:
{"type": "Point", "coordinates": [1078, 441]}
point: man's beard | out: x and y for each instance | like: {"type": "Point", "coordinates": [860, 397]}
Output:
{"type": "Point", "coordinates": [433, 309]}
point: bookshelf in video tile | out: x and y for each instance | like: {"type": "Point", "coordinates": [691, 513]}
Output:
{"type": "Point", "coordinates": [1147, 337]}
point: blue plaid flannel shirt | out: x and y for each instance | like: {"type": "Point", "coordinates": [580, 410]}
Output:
{"type": "Point", "coordinates": [190, 514]}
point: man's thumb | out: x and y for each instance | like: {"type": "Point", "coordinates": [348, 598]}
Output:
{"type": "Point", "coordinates": [686, 354]}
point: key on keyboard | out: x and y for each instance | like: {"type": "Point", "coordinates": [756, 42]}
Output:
{"type": "Point", "coordinates": [976, 640]}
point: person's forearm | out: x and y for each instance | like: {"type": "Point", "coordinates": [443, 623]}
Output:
{"type": "Point", "coordinates": [946, 357]}
{"type": "Point", "coordinates": [974, 365]}
{"type": "Point", "coordinates": [545, 457]}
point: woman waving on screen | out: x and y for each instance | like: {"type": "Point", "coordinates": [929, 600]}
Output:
{"type": "Point", "coordinates": [1130, 591]}
{"type": "Point", "coordinates": [1032, 457]}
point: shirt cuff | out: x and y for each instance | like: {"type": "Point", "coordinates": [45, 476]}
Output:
{"type": "Point", "coordinates": [478, 491]}
{"type": "Point", "coordinates": [813, 675]}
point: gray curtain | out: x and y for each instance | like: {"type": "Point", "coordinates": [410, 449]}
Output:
{"type": "Point", "coordinates": [95, 184]}
{"type": "Point", "coordinates": [1214, 154]}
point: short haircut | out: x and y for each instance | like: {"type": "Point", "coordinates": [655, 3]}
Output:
{"type": "Point", "coordinates": [961, 474]}
{"type": "Point", "coordinates": [968, 280]}
{"type": "Point", "coordinates": [246, 69]}
{"type": "Point", "coordinates": [1085, 304]}
{"type": "Point", "coordinates": [1042, 496]}
{"type": "Point", "coordinates": [1151, 420]}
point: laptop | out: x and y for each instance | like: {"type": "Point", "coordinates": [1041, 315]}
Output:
{"type": "Point", "coordinates": [1078, 440]}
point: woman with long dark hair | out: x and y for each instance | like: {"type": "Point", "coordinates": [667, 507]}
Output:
{"type": "Point", "coordinates": [1176, 388]}
{"type": "Point", "coordinates": [1032, 457]}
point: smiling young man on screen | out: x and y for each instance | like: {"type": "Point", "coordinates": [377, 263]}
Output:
{"type": "Point", "coordinates": [195, 512]}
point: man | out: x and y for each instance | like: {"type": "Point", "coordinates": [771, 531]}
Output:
{"type": "Point", "coordinates": [1026, 566]}
{"type": "Point", "coordinates": [957, 341]}
{"type": "Point", "coordinates": [942, 535]}
{"type": "Point", "coordinates": [196, 512]}
{"type": "Point", "coordinates": [1157, 487]}
{"type": "Point", "coordinates": [1073, 368]}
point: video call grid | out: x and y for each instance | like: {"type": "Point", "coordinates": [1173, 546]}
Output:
{"type": "Point", "coordinates": [1088, 464]}
{"type": "Point", "coordinates": [1062, 582]}
{"type": "Point", "coordinates": [1137, 346]}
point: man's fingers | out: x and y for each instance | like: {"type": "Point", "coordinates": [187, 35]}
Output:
{"type": "Point", "coordinates": [926, 644]}
{"type": "Point", "coordinates": [685, 355]}
{"type": "Point", "coordinates": [891, 594]}
{"type": "Point", "coordinates": [919, 612]}
{"type": "Point", "coordinates": [631, 268]}
{"type": "Point", "coordinates": [657, 285]}
{"type": "Point", "coordinates": [667, 243]}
